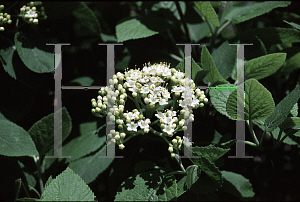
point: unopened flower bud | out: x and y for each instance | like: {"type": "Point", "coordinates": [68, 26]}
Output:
{"type": "Point", "coordinates": [205, 100]}
{"type": "Point", "coordinates": [134, 94]}
{"type": "Point", "coordinates": [201, 105]}
{"type": "Point", "coordinates": [174, 141]}
{"type": "Point", "coordinates": [173, 155]}
{"type": "Point", "coordinates": [122, 135]}
{"type": "Point", "coordinates": [170, 149]}
{"type": "Point", "coordinates": [121, 146]}
{"type": "Point", "coordinates": [98, 109]}
{"type": "Point", "coordinates": [117, 137]}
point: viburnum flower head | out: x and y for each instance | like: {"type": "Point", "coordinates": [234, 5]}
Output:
{"type": "Point", "coordinates": [149, 88]}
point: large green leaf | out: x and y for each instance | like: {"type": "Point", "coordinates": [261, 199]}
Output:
{"type": "Point", "coordinates": [244, 13]}
{"type": "Point", "coordinates": [42, 132]}
{"type": "Point", "coordinates": [83, 145]}
{"type": "Point", "coordinates": [31, 49]}
{"type": "Point", "coordinates": [208, 12]}
{"type": "Point", "coordinates": [87, 18]}
{"type": "Point", "coordinates": [210, 180]}
{"type": "Point", "coordinates": [196, 69]}
{"type": "Point", "coordinates": [219, 98]}
{"type": "Point", "coordinates": [148, 186]}
{"type": "Point", "coordinates": [15, 141]}
{"type": "Point", "coordinates": [264, 66]}
{"type": "Point", "coordinates": [67, 186]}
{"type": "Point", "coordinates": [237, 185]}
{"type": "Point", "coordinates": [282, 109]}
{"type": "Point", "coordinates": [198, 31]}
{"type": "Point", "coordinates": [93, 165]}
{"type": "Point", "coordinates": [208, 64]}
{"type": "Point", "coordinates": [225, 58]}
{"type": "Point", "coordinates": [259, 103]}
{"type": "Point", "coordinates": [140, 27]}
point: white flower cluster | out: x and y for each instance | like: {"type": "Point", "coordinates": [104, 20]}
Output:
{"type": "Point", "coordinates": [31, 14]}
{"type": "Point", "coordinates": [4, 18]}
{"type": "Point", "coordinates": [149, 88]}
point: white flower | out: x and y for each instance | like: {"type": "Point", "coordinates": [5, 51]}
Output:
{"type": "Point", "coordinates": [153, 99]}
{"type": "Point", "coordinates": [144, 124]}
{"type": "Point", "coordinates": [132, 126]}
{"type": "Point", "coordinates": [130, 115]}
{"type": "Point", "coordinates": [160, 115]}
{"type": "Point", "coordinates": [178, 89]}
{"type": "Point", "coordinates": [179, 75]}
{"type": "Point", "coordinates": [145, 89]}
{"type": "Point", "coordinates": [162, 101]}
{"type": "Point", "coordinates": [168, 129]}
{"type": "Point", "coordinates": [187, 141]}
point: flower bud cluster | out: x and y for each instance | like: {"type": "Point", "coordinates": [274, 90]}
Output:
{"type": "Point", "coordinates": [117, 137]}
{"type": "Point", "coordinates": [4, 18]}
{"type": "Point", "coordinates": [176, 145]}
{"type": "Point", "coordinates": [149, 88]}
{"type": "Point", "coordinates": [33, 12]}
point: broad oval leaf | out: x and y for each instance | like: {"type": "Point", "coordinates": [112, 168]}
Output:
{"type": "Point", "coordinates": [264, 66]}
{"type": "Point", "coordinates": [42, 132]}
{"type": "Point", "coordinates": [208, 12]}
{"type": "Point", "coordinates": [219, 98]}
{"type": "Point", "coordinates": [259, 103]}
{"type": "Point", "coordinates": [140, 27]}
{"type": "Point", "coordinates": [293, 24]}
{"type": "Point", "coordinates": [208, 64]}
{"type": "Point", "coordinates": [67, 186]}
{"type": "Point", "coordinates": [93, 165]}
{"type": "Point", "coordinates": [237, 185]}
{"type": "Point", "coordinates": [15, 141]}
{"type": "Point", "coordinates": [32, 53]}
{"type": "Point", "coordinates": [282, 109]}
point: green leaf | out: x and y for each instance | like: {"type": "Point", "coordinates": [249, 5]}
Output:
{"type": "Point", "coordinates": [208, 64]}
{"type": "Point", "coordinates": [42, 132]}
{"type": "Point", "coordinates": [244, 13]}
{"type": "Point", "coordinates": [140, 27]}
{"type": "Point", "coordinates": [196, 69]}
{"type": "Point", "coordinates": [219, 98]}
{"type": "Point", "coordinates": [87, 18]}
{"type": "Point", "coordinates": [290, 122]}
{"type": "Point", "coordinates": [198, 31]}
{"type": "Point", "coordinates": [15, 141]}
{"type": "Point", "coordinates": [193, 174]}
{"type": "Point", "coordinates": [82, 145]}
{"type": "Point", "coordinates": [7, 63]}
{"type": "Point", "coordinates": [259, 103]}
{"type": "Point", "coordinates": [28, 199]}
{"type": "Point", "coordinates": [237, 185]}
{"type": "Point", "coordinates": [93, 166]}
{"type": "Point", "coordinates": [211, 152]}
{"type": "Point", "coordinates": [148, 186]}
{"type": "Point", "coordinates": [293, 24]}
{"type": "Point", "coordinates": [67, 186]}
{"type": "Point", "coordinates": [282, 109]}
{"type": "Point", "coordinates": [208, 12]}
{"type": "Point", "coordinates": [181, 186]}
{"type": "Point", "coordinates": [31, 50]}
{"type": "Point", "coordinates": [225, 58]}
{"type": "Point", "coordinates": [210, 180]}
{"type": "Point", "coordinates": [264, 66]}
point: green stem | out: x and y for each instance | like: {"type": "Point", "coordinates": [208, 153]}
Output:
{"type": "Point", "coordinates": [180, 162]}
{"type": "Point", "coordinates": [38, 166]}
{"type": "Point", "coordinates": [262, 139]}
{"type": "Point", "coordinates": [250, 143]}
{"type": "Point", "coordinates": [252, 132]}
{"type": "Point", "coordinates": [223, 26]}
{"type": "Point", "coordinates": [176, 172]}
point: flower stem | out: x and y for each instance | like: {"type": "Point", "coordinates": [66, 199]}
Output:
{"type": "Point", "coordinates": [252, 132]}
{"type": "Point", "coordinates": [38, 166]}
